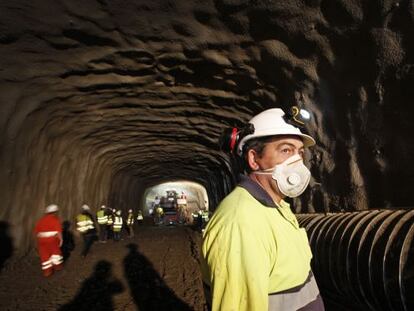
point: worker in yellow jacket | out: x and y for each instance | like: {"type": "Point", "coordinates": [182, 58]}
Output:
{"type": "Point", "coordinates": [86, 226]}
{"type": "Point", "coordinates": [117, 226]}
{"type": "Point", "coordinates": [130, 223]}
{"type": "Point", "coordinates": [255, 255]}
{"type": "Point", "coordinates": [102, 219]}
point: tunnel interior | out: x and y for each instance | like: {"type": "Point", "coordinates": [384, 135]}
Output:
{"type": "Point", "coordinates": [101, 100]}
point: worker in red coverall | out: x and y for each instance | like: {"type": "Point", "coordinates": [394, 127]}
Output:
{"type": "Point", "coordinates": [48, 231]}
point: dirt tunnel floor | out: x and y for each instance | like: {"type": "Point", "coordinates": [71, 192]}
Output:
{"type": "Point", "coordinates": [158, 269]}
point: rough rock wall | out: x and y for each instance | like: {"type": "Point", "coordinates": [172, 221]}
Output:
{"type": "Point", "coordinates": [100, 99]}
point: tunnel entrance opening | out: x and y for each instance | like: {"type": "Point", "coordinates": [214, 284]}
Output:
{"type": "Point", "coordinates": [177, 202]}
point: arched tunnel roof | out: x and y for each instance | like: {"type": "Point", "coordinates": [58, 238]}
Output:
{"type": "Point", "coordinates": [102, 99]}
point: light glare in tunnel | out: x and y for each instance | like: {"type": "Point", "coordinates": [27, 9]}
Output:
{"type": "Point", "coordinates": [197, 198]}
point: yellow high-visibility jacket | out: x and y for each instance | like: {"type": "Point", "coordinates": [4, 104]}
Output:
{"type": "Point", "coordinates": [102, 217]}
{"type": "Point", "coordinates": [84, 223]}
{"type": "Point", "coordinates": [130, 219]}
{"type": "Point", "coordinates": [252, 250]}
{"type": "Point", "coordinates": [118, 222]}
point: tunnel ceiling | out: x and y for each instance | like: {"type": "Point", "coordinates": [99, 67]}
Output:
{"type": "Point", "coordinates": [101, 99]}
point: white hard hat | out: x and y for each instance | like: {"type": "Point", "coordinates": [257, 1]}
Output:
{"type": "Point", "coordinates": [85, 207]}
{"type": "Point", "coordinates": [271, 122]}
{"type": "Point", "coordinates": [51, 208]}
{"type": "Point", "coordinates": [118, 212]}
{"type": "Point", "coordinates": [113, 210]}
{"type": "Point", "coordinates": [103, 207]}
{"type": "Point", "coordinates": [130, 211]}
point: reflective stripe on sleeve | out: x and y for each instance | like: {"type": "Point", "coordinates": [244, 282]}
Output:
{"type": "Point", "coordinates": [46, 264]}
{"type": "Point", "coordinates": [56, 259]}
{"type": "Point", "coordinates": [46, 234]}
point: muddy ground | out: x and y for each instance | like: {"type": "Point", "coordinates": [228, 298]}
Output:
{"type": "Point", "coordinates": [158, 269]}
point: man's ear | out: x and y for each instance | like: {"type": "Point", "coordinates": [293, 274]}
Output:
{"type": "Point", "coordinates": [251, 159]}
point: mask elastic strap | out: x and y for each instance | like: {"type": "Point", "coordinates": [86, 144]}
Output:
{"type": "Point", "coordinates": [268, 171]}
{"type": "Point", "coordinates": [298, 160]}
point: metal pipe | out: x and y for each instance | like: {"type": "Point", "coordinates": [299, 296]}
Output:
{"type": "Point", "coordinates": [364, 259]}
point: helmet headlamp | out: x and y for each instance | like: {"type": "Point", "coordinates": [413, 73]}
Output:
{"type": "Point", "coordinates": [297, 116]}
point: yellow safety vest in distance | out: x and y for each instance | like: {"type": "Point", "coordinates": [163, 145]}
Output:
{"type": "Point", "coordinates": [130, 220]}
{"type": "Point", "coordinates": [110, 220]}
{"type": "Point", "coordinates": [118, 223]}
{"type": "Point", "coordinates": [84, 223]}
{"type": "Point", "coordinates": [139, 217]}
{"type": "Point", "coordinates": [102, 218]}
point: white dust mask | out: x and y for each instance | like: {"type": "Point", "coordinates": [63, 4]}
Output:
{"type": "Point", "coordinates": [292, 176]}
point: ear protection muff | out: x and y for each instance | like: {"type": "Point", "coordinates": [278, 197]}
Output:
{"type": "Point", "coordinates": [231, 137]}
{"type": "Point", "coordinates": [228, 139]}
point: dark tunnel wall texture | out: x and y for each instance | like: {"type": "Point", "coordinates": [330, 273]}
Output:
{"type": "Point", "coordinates": [102, 99]}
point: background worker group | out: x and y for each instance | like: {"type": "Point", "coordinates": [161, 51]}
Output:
{"type": "Point", "coordinates": [49, 238]}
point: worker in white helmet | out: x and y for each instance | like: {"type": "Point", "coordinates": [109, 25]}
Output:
{"type": "Point", "coordinates": [130, 223]}
{"type": "Point", "coordinates": [48, 231]}
{"type": "Point", "coordinates": [102, 219]}
{"type": "Point", "coordinates": [110, 214]}
{"type": "Point", "coordinates": [255, 255]}
{"type": "Point", "coordinates": [117, 226]}
{"type": "Point", "coordinates": [86, 226]}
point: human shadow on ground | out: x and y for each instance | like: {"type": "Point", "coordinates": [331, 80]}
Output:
{"type": "Point", "coordinates": [96, 291]}
{"type": "Point", "coordinates": [148, 289]}
{"type": "Point", "coordinates": [6, 243]}
{"type": "Point", "coordinates": [68, 244]}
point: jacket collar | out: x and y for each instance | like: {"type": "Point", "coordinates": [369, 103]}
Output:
{"type": "Point", "coordinates": [257, 191]}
